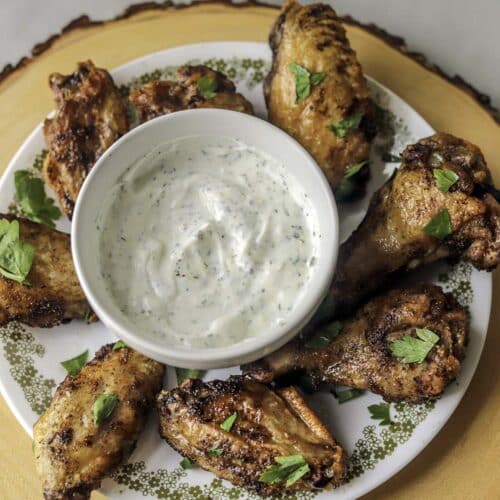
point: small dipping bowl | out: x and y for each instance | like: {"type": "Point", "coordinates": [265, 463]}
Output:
{"type": "Point", "coordinates": [135, 145]}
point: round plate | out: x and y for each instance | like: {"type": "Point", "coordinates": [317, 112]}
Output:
{"type": "Point", "coordinates": [31, 368]}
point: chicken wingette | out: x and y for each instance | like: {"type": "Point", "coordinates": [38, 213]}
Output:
{"type": "Point", "coordinates": [194, 87]}
{"type": "Point", "coordinates": [94, 420]}
{"type": "Point", "coordinates": [316, 90]}
{"type": "Point", "coordinates": [90, 115]}
{"type": "Point", "coordinates": [439, 203]}
{"type": "Point", "coordinates": [52, 294]}
{"type": "Point", "coordinates": [363, 354]}
{"type": "Point", "coordinates": [238, 428]}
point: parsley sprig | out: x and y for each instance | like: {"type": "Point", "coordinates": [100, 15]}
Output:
{"type": "Point", "coordinates": [381, 412]}
{"type": "Point", "coordinates": [207, 87]}
{"type": "Point", "coordinates": [304, 80]}
{"type": "Point", "coordinates": [414, 349]}
{"type": "Point", "coordinates": [74, 365]}
{"type": "Point", "coordinates": [440, 226]}
{"type": "Point", "coordinates": [185, 373]}
{"type": "Point", "coordinates": [16, 257]}
{"type": "Point", "coordinates": [104, 407]}
{"type": "Point", "coordinates": [229, 422]}
{"type": "Point", "coordinates": [445, 178]}
{"type": "Point", "coordinates": [288, 470]}
{"type": "Point", "coordinates": [342, 127]}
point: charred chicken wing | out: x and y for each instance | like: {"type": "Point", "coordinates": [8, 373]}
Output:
{"type": "Point", "coordinates": [53, 294]}
{"type": "Point", "coordinates": [90, 115]}
{"type": "Point", "coordinates": [195, 87]}
{"type": "Point", "coordinates": [363, 355]}
{"type": "Point", "coordinates": [264, 426]}
{"type": "Point", "coordinates": [94, 421]}
{"type": "Point", "coordinates": [316, 90]}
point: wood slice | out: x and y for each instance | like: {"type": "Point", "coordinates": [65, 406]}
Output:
{"type": "Point", "coordinates": [461, 462]}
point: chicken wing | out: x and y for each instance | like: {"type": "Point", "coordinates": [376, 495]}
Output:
{"type": "Point", "coordinates": [54, 295]}
{"type": "Point", "coordinates": [161, 97]}
{"type": "Point", "coordinates": [268, 424]}
{"type": "Point", "coordinates": [335, 122]}
{"type": "Point", "coordinates": [90, 115]}
{"type": "Point", "coordinates": [360, 356]}
{"type": "Point", "coordinates": [392, 239]}
{"type": "Point", "coordinates": [75, 445]}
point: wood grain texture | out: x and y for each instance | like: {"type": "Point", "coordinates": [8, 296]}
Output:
{"type": "Point", "coordinates": [463, 459]}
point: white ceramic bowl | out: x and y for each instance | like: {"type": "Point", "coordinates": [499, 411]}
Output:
{"type": "Point", "coordinates": [136, 144]}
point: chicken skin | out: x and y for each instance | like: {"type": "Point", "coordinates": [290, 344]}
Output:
{"type": "Point", "coordinates": [391, 238]}
{"type": "Point", "coordinates": [54, 294]}
{"type": "Point", "coordinates": [161, 97]}
{"type": "Point", "coordinates": [360, 355]}
{"type": "Point", "coordinates": [312, 37]}
{"type": "Point", "coordinates": [90, 115]}
{"type": "Point", "coordinates": [73, 450]}
{"type": "Point", "coordinates": [267, 425]}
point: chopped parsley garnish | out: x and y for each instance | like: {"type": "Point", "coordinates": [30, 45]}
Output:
{"type": "Point", "coordinates": [207, 87]}
{"type": "Point", "coordinates": [103, 407]}
{"type": "Point", "coordinates": [185, 373]}
{"type": "Point", "coordinates": [347, 395]}
{"type": "Point", "coordinates": [381, 412]}
{"type": "Point", "coordinates": [119, 345]}
{"type": "Point", "coordinates": [414, 350]}
{"type": "Point", "coordinates": [341, 128]}
{"type": "Point", "coordinates": [440, 226]}
{"type": "Point", "coordinates": [324, 337]}
{"type": "Point", "coordinates": [33, 202]}
{"type": "Point", "coordinates": [445, 178]}
{"type": "Point", "coordinates": [304, 80]}
{"type": "Point", "coordinates": [185, 463]}
{"type": "Point", "coordinates": [16, 256]}
{"type": "Point", "coordinates": [74, 365]}
{"type": "Point", "coordinates": [214, 451]}
{"type": "Point", "coordinates": [354, 169]}
{"type": "Point", "coordinates": [229, 422]}
{"type": "Point", "coordinates": [288, 470]}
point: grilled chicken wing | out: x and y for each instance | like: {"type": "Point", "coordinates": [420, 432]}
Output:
{"type": "Point", "coordinates": [90, 115]}
{"type": "Point", "coordinates": [268, 425]}
{"type": "Point", "coordinates": [391, 237]}
{"type": "Point", "coordinates": [72, 452]}
{"type": "Point", "coordinates": [161, 97]}
{"type": "Point", "coordinates": [360, 356]}
{"type": "Point", "coordinates": [313, 37]}
{"type": "Point", "coordinates": [54, 295]}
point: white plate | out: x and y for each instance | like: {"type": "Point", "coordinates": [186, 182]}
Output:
{"type": "Point", "coordinates": [30, 365]}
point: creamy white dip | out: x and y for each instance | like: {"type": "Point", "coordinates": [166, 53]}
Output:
{"type": "Point", "coordinates": [207, 242]}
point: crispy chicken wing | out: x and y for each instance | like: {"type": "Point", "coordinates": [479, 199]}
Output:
{"type": "Point", "coordinates": [161, 97]}
{"type": "Point", "coordinates": [90, 115]}
{"type": "Point", "coordinates": [313, 37]}
{"type": "Point", "coordinates": [269, 424]}
{"type": "Point", "coordinates": [54, 295]}
{"type": "Point", "coordinates": [360, 356]}
{"type": "Point", "coordinates": [391, 238]}
{"type": "Point", "coordinates": [72, 452]}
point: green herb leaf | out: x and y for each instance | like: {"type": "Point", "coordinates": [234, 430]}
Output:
{"type": "Point", "coordinates": [214, 451]}
{"type": "Point", "coordinates": [207, 87]}
{"type": "Point", "coordinates": [103, 407]}
{"type": "Point", "coordinates": [444, 178]}
{"type": "Point", "coordinates": [414, 350]}
{"type": "Point", "coordinates": [341, 128]}
{"type": "Point", "coordinates": [381, 412]}
{"type": "Point", "coordinates": [354, 169]}
{"type": "Point", "coordinates": [347, 395]}
{"type": "Point", "coordinates": [119, 345]}
{"type": "Point", "coordinates": [185, 463]}
{"type": "Point", "coordinates": [87, 315]}
{"type": "Point", "coordinates": [185, 373]}
{"type": "Point", "coordinates": [16, 257]}
{"type": "Point", "coordinates": [324, 337]}
{"type": "Point", "coordinates": [74, 365]}
{"type": "Point", "coordinates": [303, 81]}
{"type": "Point", "coordinates": [289, 469]}
{"type": "Point", "coordinates": [229, 422]}
{"type": "Point", "coordinates": [33, 202]}
{"type": "Point", "coordinates": [440, 226]}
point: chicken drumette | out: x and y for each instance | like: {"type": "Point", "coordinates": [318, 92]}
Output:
{"type": "Point", "coordinates": [334, 121]}
{"type": "Point", "coordinates": [360, 355]}
{"type": "Point", "coordinates": [268, 424]}
{"type": "Point", "coordinates": [195, 87]}
{"type": "Point", "coordinates": [76, 445]}
{"type": "Point", "coordinates": [90, 115]}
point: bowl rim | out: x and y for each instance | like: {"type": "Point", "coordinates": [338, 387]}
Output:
{"type": "Point", "coordinates": [206, 357]}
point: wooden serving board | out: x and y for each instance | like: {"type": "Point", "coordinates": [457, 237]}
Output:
{"type": "Point", "coordinates": [463, 460]}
